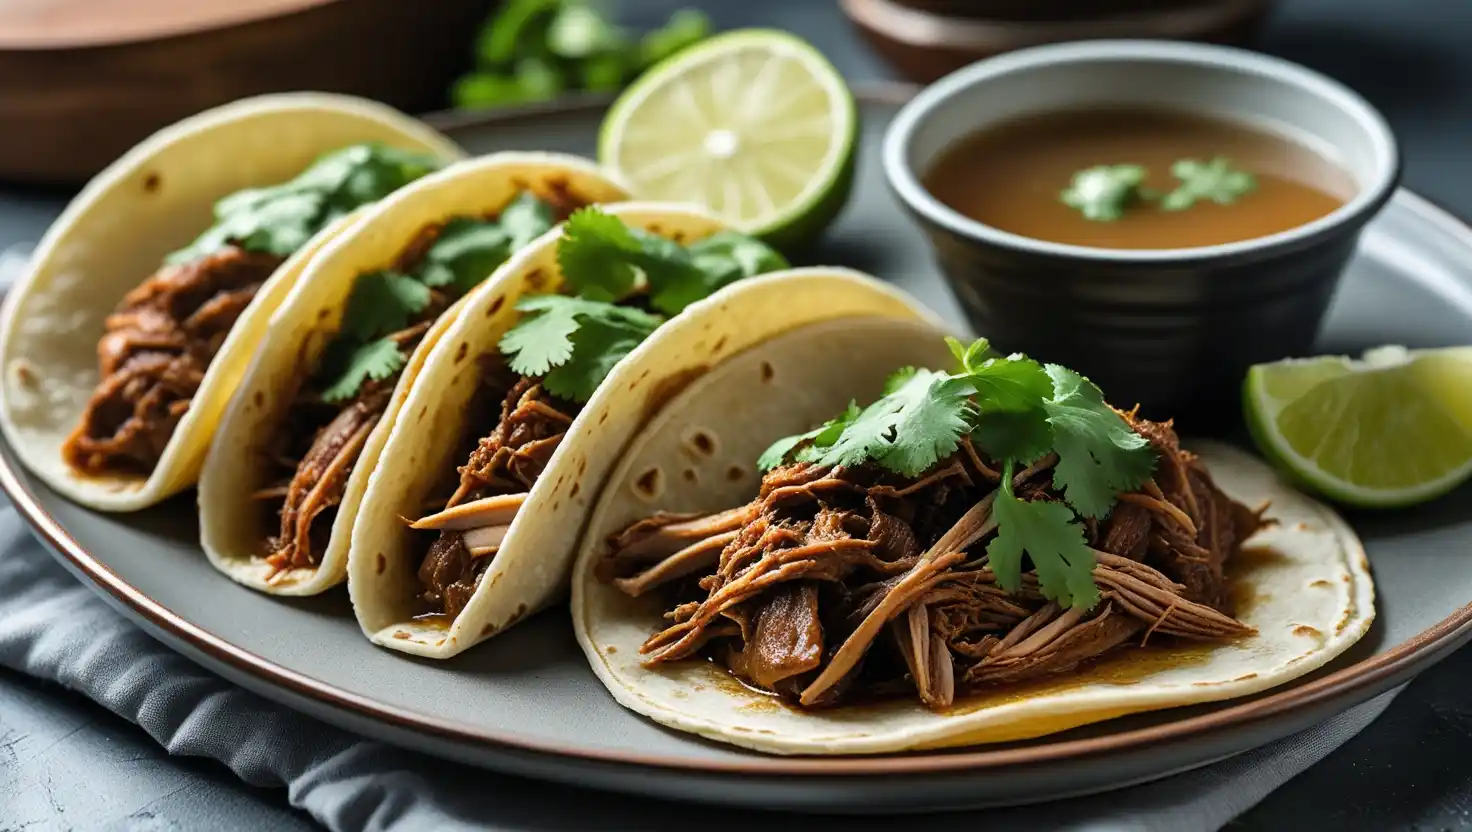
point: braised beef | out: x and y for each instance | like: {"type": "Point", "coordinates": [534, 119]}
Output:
{"type": "Point", "coordinates": [153, 356]}
{"type": "Point", "coordinates": [449, 575]}
{"type": "Point", "coordinates": [836, 583]}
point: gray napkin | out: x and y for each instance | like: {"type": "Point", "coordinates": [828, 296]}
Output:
{"type": "Point", "coordinates": [54, 628]}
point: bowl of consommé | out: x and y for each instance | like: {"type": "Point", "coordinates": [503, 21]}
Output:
{"type": "Point", "coordinates": [1158, 215]}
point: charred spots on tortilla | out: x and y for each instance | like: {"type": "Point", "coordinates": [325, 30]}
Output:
{"type": "Point", "coordinates": [536, 281]}
{"type": "Point", "coordinates": [602, 417]}
{"type": "Point", "coordinates": [679, 237]}
{"type": "Point", "coordinates": [667, 388]}
{"type": "Point", "coordinates": [152, 182]}
{"type": "Point", "coordinates": [462, 352]}
{"type": "Point", "coordinates": [735, 473]}
{"type": "Point", "coordinates": [1321, 584]}
{"type": "Point", "coordinates": [649, 485]}
{"type": "Point", "coordinates": [720, 345]}
{"type": "Point", "coordinates": [259, 398]}
{"type": "Point", "coordinates": [423, 411]}
{"type": "Point", "coordinates": [576, 487]}
{"type": "Point", "coordinates": [1307, 631]}
{"type": "Point", "coordinates": [610, 649]}
{"type": "Point", "coordinates": [496, 303]}
{"type": "Point", "coordinates": [323, 313]}
{"type": "Point", "coordinates": [381, 563]}
{"type": "Point", "coordinates": [656, 229]}
{"type": "Point", "coordinates": [690, 476]}
{"type": "Point", "coordinates": [402, 636]}
{"type": "Point", "coordinates": [699, 443]}
{"type": "Point", "coordinates": [488, 631]}
{"type": "Point", "coordinates": [24, 375]}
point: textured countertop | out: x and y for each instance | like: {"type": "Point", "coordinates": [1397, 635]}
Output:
{"type": "Point", "coordinates": [65, 763]}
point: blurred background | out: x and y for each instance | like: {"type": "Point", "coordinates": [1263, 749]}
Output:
{"type": "Point", "coordinates": [82, 80]}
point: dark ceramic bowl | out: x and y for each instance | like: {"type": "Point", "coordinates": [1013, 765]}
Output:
{"type": "Point", "coordinates": [1171, 329]}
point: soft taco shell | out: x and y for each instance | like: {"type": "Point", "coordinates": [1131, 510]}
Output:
{"type": "Point", "coordinates": [154, 200]}
{"type": "Point", "coordinates": [1304, 584]}
{"type": "Point", "coordinates": [531, 568]}
{"type": "Point", "coordinates": [232, 524]}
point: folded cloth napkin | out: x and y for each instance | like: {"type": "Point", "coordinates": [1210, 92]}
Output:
{"type": "Point", "coordinates": [54, 628]}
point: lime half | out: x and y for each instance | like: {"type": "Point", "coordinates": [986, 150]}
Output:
{"type": "Point", "coordinates": [755, 125]}
{"type": "Point", "coordinates": [1391, 429]}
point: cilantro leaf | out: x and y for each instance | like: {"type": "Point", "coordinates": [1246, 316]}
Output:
{"type": "Point", "coordinates": [909, 429]}
{"type": "Point", "coordinates": [525, 219]}
{"type": "Point", "coordinates": [465, 253]}
{"type": "Point", "coordinates": [1055, 543]}
{"type": "Point", "coordinates": [968, 357]}
{"type": "Point", "coordinates": [552, 337]}
{"type": "Point", "coordinates": [602, 259]}
{"type": "Point", "coordinates": [281, 218]}
{"type": "Point", "coordinates": [1011, 422]}
{"type": "Point", "coordinates": [1103, 192]}
{"type": "Point", "coordinates": [382, 303]}
{"type": "Point", "coordinates": [1099, 456]}
{"type": "Point", "coordinates": [376, 359]}
{"type": "Point", "coordinates": [1216, 180]}
{"type": "Point", "coordinates": [822, 436]}
{"type": "Point", "coordinates": [518, 22]}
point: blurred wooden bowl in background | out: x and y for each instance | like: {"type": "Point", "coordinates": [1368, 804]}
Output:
{"type": "Point", "coordinates": [926, 39]}
{"type": "Point", "coordinates": [81, 81]}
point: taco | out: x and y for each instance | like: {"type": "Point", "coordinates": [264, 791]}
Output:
{"type": "Point", "coordinates": [125, 340]}
{"type": "Point", "coordinates": [984, 555]}
{"type": "Point", "coordinates": [525, 403]}
{"type": "Point", "coordinates": [291, 459]}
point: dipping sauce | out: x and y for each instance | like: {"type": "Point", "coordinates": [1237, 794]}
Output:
{"type": "Point", "coordinates": [1013, 177]}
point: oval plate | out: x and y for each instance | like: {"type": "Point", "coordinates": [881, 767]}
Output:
{"type": "Point", "coordinates": [527, 703]}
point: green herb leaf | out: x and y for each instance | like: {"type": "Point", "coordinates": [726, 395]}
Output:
{"type": "Point", "coordinates": [1049, 534]}
{"type": "Point", "coordinates": [382, 303]}
{"type": "Point", "coordinates": [579, 31]}
{"type": "Point", "coordinates": [486, 89]}
{"type": "Point", "coordinates": [1099, 456]}
{"type": "Point", "coordinates": [822, 436]}
{"type": "Point", "coordinates": [466, 252]}
{"type": "Point", "coordinates": [1102, 193]}
{"type": "Point", "coordinates": [684, 28]}
{"type": "Point", "coordinates": [376, 359]}
{"type": "Point", "coordinates": [574, 342]}
{"type": "Point", "coordinates": [908, 430]}
{"type": "Point", "coordinates": [1216, 180]}
{"type": "Point", "coordinates": [540, 79]}
{"type": "Point", "coordinates": [518, 24]}
{"type": "Point", "coordinates": [1011, 422]}
{"type": "Point", "coordinates": [526, 219]}
{"type": "Point", "coordinates": [281, 218]}
{"type": "Point", "coordinates": [602, 259]}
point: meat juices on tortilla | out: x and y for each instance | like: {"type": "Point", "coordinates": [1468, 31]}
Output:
{"type": "Point", "coordinates": [1305, 592]}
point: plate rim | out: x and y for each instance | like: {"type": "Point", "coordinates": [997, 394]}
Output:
{"type": "Point", "coordinates": [1342, 682]}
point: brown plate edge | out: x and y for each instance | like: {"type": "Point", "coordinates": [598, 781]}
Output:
{"type": "Point", "coordinates": [1399, 660]}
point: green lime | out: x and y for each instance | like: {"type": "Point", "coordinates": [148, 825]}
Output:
{"type": "Point", "coordinates": [755, 125]}
{"type": "Point", "coordinates": [1391, 429]}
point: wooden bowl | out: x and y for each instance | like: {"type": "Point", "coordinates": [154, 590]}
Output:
{"type": "Point", "coordinates": [926, 39]}
{"type": "Point", "coordinates": [81, 81]}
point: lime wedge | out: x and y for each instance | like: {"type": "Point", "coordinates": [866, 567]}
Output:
{"type": "Point", "coordinates": [1391, 429]}
{"type": "Point", "coordinates": [755, 125]}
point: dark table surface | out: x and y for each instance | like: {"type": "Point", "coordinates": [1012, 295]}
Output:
{"type": "Point", "coordinates": [66, 763]}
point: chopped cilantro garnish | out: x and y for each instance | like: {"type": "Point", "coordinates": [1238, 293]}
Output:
{"type": "Point", "coordinates": [1053, 540]}
{"type": "Point", "coordinates": [1016, 410]}
{"type": "Point", "coordinates": [1098, 455]}
{"type": "Point", "coordinates": [575, 341]}
{"type": "Point", "coordinates": [1102, 193]}
{"type": "Point", "coordinates": [376, 360]}
{"type": "Point", "coordinates": [465, 252]}
{"type": "Point", "coordinates": [280, 219]}
{"type": "Point", "coordinates": [1216, 180]}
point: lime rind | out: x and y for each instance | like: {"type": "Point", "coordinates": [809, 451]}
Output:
{"type": "Point", "coordinates": [1393, 429]}
{"type": "Point", "coordinates": [826, 191]}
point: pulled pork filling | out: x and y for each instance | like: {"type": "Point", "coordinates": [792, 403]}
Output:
{"type": "Point", "coordinates": [493, 483]}
{"type": "Point", "coordinates": [837, 584]}
{"type": "Point", "coordinates": [154, 354]}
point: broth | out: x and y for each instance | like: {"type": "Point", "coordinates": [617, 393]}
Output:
{"type": "Point", "coordinates": [1012, 176]}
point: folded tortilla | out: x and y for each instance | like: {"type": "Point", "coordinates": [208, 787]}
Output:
{"type": "Point", "coordinates": [234, 525]}
{"type": "Point", "coordinates": [154, 200]}
{"type": "Point", "coordinates": [1306, 587]}
{"type": "Point", "coordinates": [530, 566]}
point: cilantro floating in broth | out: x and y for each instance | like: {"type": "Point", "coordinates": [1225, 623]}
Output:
{"type": "Point", "coordinates": [1102, 193]}
{"type": "Point", "coordinates": [1016, 411]}
{"type": "Point", "coordinates": [1216, 181]}
{"type": "Point", "coordinates": [281, 218]}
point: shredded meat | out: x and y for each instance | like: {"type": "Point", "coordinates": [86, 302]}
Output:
{"type": "Point", "coordinates": [505, 461]}
{"type": "Point", "coordinates": [153, 355]}
{"type": "Point", "coordinates": [838, 583]}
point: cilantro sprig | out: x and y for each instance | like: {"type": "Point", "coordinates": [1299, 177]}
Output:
{"type": "Point", "coordinates": [535, 50]}
{"type": "Point", "coordinates": [1016, 410]}
{"type": "Point", "coordinates": [1104, 193]}
{"type": "Point", "coordinates": [465, 252]}
{"type": "Point", "coordinates": [574, 342]}
{"type": "Point", "coordinates": [281, 218]}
